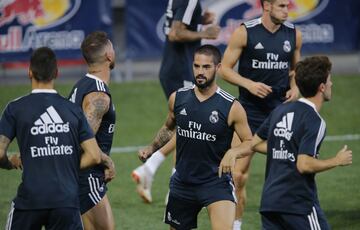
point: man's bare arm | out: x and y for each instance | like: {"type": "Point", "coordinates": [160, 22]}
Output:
{"type": "Point", "coordinates": [163, 135]}
{"type": "Point", "coordinates": [238, 119]}
{"type": "Point", "coordinates": [4, 160]}
{"type": "Point", "coordinates": [179, 33]}
{"type": "Point", "coordinates": [95, 105]}
{"type": "Point", "coordinates": [293, 93]}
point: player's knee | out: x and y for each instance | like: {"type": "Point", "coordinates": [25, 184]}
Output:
{"type": "Point", "coordinates": [240, 179]}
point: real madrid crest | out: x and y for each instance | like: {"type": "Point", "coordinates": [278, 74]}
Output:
{"type": "Point", "coordinates": [287, 46]}
{"type": "Point", "coordinates": [214, 117]}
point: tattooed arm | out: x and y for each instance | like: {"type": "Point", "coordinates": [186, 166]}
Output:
{"type": "Point", "coordinates": [163, 135]}
{"type": "Point", "coordinates": [4, 160]}
{"type": "Point", "coordinates": [95, 105]}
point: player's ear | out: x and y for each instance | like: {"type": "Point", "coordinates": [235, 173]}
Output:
{"type": "Point", "coordinates": [56, 73]}
{"type": "Point", "coordinates": [218, 66]}
{"type": "Point", "coordinates": [30, 74]}
{"type": "Point", "coordinates": [267, 5]}
{"type": "Point", "coordinates": [322, 87]}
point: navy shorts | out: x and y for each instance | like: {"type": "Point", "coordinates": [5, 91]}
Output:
{"type": "Point", "coordinates": [54, 219]}
{"type": "Point", "coordinates": [283, 221]}
{"type": "Point", "coordinates": [186, 201]}
{"type": "Point", "coordinates": [92, 190]}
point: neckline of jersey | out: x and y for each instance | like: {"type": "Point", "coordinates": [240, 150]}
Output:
{"type": "Point", "coordinates": [43, 91]}
{"type": "Point", "coordinates": [93, 77]}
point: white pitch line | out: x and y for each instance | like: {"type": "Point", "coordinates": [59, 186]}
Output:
{"type": "Point", "coordinates": [347, 137]}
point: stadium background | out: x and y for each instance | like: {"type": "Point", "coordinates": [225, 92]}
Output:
{"type": "Point", "coordinates": [141, 106]}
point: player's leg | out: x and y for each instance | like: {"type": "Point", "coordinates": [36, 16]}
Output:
{"type": "Point", "coordinates": [240, 178]}
{"type": "Point", "coordinates": [144, 174]}
{"type": "Point", "coordinates": [221, 214]}
{"type": "Point", "coordinates": [99, 217]}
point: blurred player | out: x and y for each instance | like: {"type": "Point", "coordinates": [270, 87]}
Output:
{"type": "Point", "coordinates": [291, 137]}
{"type": "Point", "coordinates": [267, 50]}
{"type": "Point", "coordinates": [92, 94]}
{"type": "Point", "coordinates": [183, 20]}
{"type": "Point", "coordinates": [204, 117]}
{"type": "Point", "coordinates": [49, 130]}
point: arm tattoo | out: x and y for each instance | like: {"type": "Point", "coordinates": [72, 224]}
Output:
{"type": "Point", "coordinates": [95, 105]}
{"type": "Point", "coordinates": [162, 137]}
{"type": "Point", "coordinates": [4, 160]}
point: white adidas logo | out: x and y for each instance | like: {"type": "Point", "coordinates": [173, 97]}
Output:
{"type": "Point", "coordinates": [259, 46]}
{"type": "Point", "coordinates": [284, 126]}
{"type": "Point", "coordinates": [183, 112]}
{"type": "Point", "coordinates": [49, 122]}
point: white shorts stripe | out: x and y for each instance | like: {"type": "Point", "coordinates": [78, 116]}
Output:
{"type": "Point", "coordinates": [316, 219]}
{"type": "Point", "coordinates": [94, 195]}
{"type": "Point", "coordinates": [95, 189]}
{"type": "Point", "coordinates": [233, 191]}
{"type": "Point", "coordinates": [97, 184]}
{"type": "Point", "coordinates": [92, 198]}
{"type": "Point", "coordinates": [10, 217]}
{"type": "Point", "coordinates": [311, 223]}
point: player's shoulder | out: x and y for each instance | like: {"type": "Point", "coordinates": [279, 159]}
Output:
{"type": "Point", "coordinates": [225, 95]}
{"type": "Point", "coordinates": [186, 88]}
{"type": "Point", "coordinates": [289, 25]}
{"type": "Point", "coordinates": [252, 23]}
{"type": "Point", "coordinates": [92, 83]}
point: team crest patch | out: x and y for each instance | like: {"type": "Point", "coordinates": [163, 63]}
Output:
{"type": "Point", "coordinates": [287, 46]}
{"type": "Point", "coordinates": [214, 117]}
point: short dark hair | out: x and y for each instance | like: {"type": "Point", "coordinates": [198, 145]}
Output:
{"type": "Point", "coordinates": [43, 64]}
{"type": "Point", "coordinates": [262, 2]}
{"type": "Point", "coordinates": [310, 73]}
{"type": "Point", "coordinates": [210, 50]}
{"type": "Point", "coordinates": [93, 46]}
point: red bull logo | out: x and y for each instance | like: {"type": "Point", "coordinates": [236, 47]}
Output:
{"type": "Point", "coordinates": [25, 17]}
{"type": "Point", "coordinates": [40, 13]}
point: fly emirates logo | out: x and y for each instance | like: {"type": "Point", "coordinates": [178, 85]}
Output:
{"type": "Point", "coordinates": [50, 123]}
{"type": "Point", "coordinates": [193, 131]}
{"type": "Point", "coordinates": [271, 63]}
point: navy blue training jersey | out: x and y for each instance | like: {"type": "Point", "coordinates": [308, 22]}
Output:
{"type": "Point", "coordinates": [291, 129]}
{"type": "Point", "coordinates": [267, 58]}
{"type": "Point", "coordinates": [105, 133]}
{"type": "Point", "coordinates": [202, 135]}
{"type": "Point", "coordinates": [178, 56]}
{"type": "Point", "coordinates": [49, 130]}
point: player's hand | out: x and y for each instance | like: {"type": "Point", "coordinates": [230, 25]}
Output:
{"type": "Point", "coordinates": [16, 161]}
{"type": "Point", "coordinates": [292, 95]}
{"type": "Point", "coordinates": [212, 31]}
{"type": "Point", "coordinates": [259, 89]}
{"type": "Point", "coordinates": [344, 156]}
{"type": "Point", "coordinates": [109, 170]}
{"type": "Point", "coordinates": [145, 153]}
{"type": "Point", "coordinates": [208, 17]}
{"type": "Point", "coordinates": [227, 164]}
{"type": "Point", "coordinates": [110, 174]}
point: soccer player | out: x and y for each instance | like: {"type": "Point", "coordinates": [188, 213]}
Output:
{"type": "Point", "coordinates": [203, 118]}
{"type": "Point", "coordinates": [291, 137]}
{"type": "Point", "coordinates": [49, 130]}
{"type": "Point", "coordinates": [267, 49]}
{"type": "Point", "coordinates": [183, 20]}
{"type": "Point", "coordinates": [92, 94]}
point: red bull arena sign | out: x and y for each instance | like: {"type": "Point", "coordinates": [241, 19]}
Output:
{"type": "Point", "coordinates": [58, 24]}
{"type": "Point", "coordinates": [327, 25]}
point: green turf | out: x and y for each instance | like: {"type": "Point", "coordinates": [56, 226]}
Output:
{"type": "Point", "coordinates": [141, 108]}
